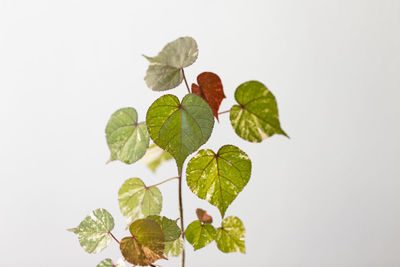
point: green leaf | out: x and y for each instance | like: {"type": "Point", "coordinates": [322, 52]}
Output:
{"type": "Point", "coordinates": [230, 236]}
{"type": "Point", "coordinates": [180, 128]}
{"type": "Point", "coordinates": [146, 245]}
{"type": "Point", "coordinates": [170, 229]}
{"type": "Point", "coordinates": [138, 201]}
{"type": "Point", "coordinates": [155, 156]}
{"type": "Point", "coordinates": [165, 70]}
{"type": "Point", "coordinates": [220, 177]}
{"type": "Point", "coordinates": [110, 263]}
{"type": "Point", "coordinates": [93, 231]}
{"type": "Point", "coordinates": [199, 234]}
{"type": "Point", "coordinates": [174, 248]}
{"type": "Point", "coordinates": [126, 138]}
{"type": "Point", "coordinates": [256, 116]}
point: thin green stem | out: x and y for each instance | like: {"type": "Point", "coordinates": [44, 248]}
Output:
{"type": "Point", "coordinates": [164, 181]}
{"type": "Point", "coordinates": [181, 215]}
{"type": "Point", "coordinates": [184, 78]}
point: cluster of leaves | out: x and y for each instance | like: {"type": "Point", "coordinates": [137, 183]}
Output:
{"type": "Point", "coordinates": [179, 128]}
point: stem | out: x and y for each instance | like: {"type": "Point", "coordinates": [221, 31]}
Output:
{"type": "Point", "coordinates": [184, 78]}
{"type": "Point", "coordinates": [222, 112]}
{"type": "Point", "coordinates": [113, 237]}
{"type": "Point", "coordinates": [181, 215]}
{"type": "Point", "coordinates": [166, 180]}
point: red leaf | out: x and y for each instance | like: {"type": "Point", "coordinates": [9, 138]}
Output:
{"type": "Point", "coordinates": [203, 216]}
{"type": "Point", "coordinates": [209, 88]}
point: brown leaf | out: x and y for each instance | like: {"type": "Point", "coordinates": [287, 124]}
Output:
{"type": "Point", "coordinates": [146, 245]}
{"type": "Point", "coordinates": [210, 88]}
{"type": "Point", "coordinates": [203, 216]}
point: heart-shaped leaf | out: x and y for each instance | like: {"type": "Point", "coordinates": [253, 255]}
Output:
{"type": "Point", "coordinates": [127, 139]}
{"type": "Point", "coordinates": [154, 156]}
{"type": "Point", "coordinates": [174, 248]}
{"type": "Point", "coordinates": [93, 231]}
{"type": "Point", "coordinates": [230, 236]}
{"type": "Point", "coordinates": [200, 234]}
{"type": "Point", "coordinates": [136, 200]}
{"type": "Point", "coordinates": [210, 89]}
{"type": "Point", "coordinates": [256, 116]}
{"type": "Point", "coordinates": [170, 229]}
{"type": "Point", "coordinates": [180, 128]}
{"type": "Point", "coordinates": [110, 263]}
{"type": "Point", "coordinates": [220, 177]}
{"type": "Point", "coordinates": [146, 245]}
{"type": "Point", "coordinates": [165, 70]}
{"type": "Point", "coordinates": [203, 216]}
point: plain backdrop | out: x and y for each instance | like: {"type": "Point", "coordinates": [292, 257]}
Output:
{"type": "Point", "coordinates": [329, 196]}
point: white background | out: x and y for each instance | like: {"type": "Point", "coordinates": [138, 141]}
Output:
{"type": "Point", "coordinates": [329, 196]}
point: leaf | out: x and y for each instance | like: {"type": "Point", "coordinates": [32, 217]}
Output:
{"type": "Point", "coordinates": [230, 236]}
{"type": "Point", "coordinates": [165, 70]}
{"type": "Point", "coordinates": [203, 216]}
{"type": "Point", "coordinates": [220, 177]}
{"type": "Point", "coordinates": [138, 201]}
{"type": "Point", "coordinates": [256, 116]}
{"type": "Point", "coordinates": [127, 139]}
{"type": "Point", "coordinates": [180, 128]}
{"type": "Point", "coordinates": [200, 234]}
{"type": "Point", "coordinates": [170, 229]}
{"type": "Point", "coordinates": [174, 248]}
{"type": "Point", "coordinates": [155, 156]}
{"type": "Point", "coordinates": [110, 263]}
{"type": "Point", "coordinates": [146, 245]}
{"type": "Point", "coordinates": [93, 231]}
{"type": "Point", "coordinates": [210, 89]}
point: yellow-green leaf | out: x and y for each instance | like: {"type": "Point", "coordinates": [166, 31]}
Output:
{"type": "Point", "coordinates": [174, 248]}
{"type": "Point", "coordinates": [154, 156]}
{"type": "Point", "coordinates": [219, 177]}
{"type": "Point", "coordinates": [230, 236]}
{"type": "Point", "coordinates": [136, 200]}
{"type": "Point", "coordinates": [200, 234]}
{"type": "Point", "coordinates": [180, 128]}
{"type": "Point", "coordinates": [146, 245]}
{"type": "Point", "coordinates": [93, 231]}
{"type": "Point", "coordinates": [127, 139]}
{"type": "Point", "coordinates": [165, 69]}
{"type": "Point", "coordinates": [170, 229]}
{"type": "Point", "coordinates": [256, 117]}
{"type": "Point", "coordinates": [110, 263]}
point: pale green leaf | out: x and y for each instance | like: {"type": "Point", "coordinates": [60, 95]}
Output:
{"type": "Point", "coordinates": [138, 201]}
{"type": "Point", "coordinates": [174, 248]}
{"type": "Point", "coordinates": [127, 139]}
{"type": "Point", "coordinates": [220, 177]}
{"type": "Point", "coordinates": [164, 71]}
{"type": "Point", "coordinates": [154, 156]}
{"type": "Point", "coordinates": [170, 228]}
{"type": "Point", "coordinates": [200, 234]}
{"type": "Point", "coordinates": [146, 245]}
{"type": "Point", "coordinates": [256, 116]}
{"type": "Point", "coordinates": [110, 263]}
{"type": "Point", "coordinates": [180, 128]}
{"type": "Point", "coordinates": [230, 236]}
{"type": "Point", "coordinates": [93, 231]}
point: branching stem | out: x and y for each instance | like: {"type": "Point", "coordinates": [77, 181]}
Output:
{"type": "Point", "coordinates": [164, 181]}
{"type": "Point", "coordinates": [184, 78]}
{"type": "Point", "coordinates": [116, 240]}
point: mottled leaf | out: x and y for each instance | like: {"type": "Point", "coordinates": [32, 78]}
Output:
{"type": "Point", "coordinates": [93, 231]}
{"type": "Point", "coordinates": [220, 177]}
{"type": "Point", "coordinates": [127, 139]}
{"type": "Point", "coordinates": [110, 263]}
{"type": "Point", "coordinates": [154, 156]}
{"type": "Point", "coordinates": [203, 216]}
{"type": "Point", "coordinates": [180, 128]}
{"type": "Point", "coordinates": [165, 69]}
{"type": "Point", "coordinates": [256, 116]}
{"type": "Point", "coordinates": [200, 234]}
{"type": "Point", "coordinates": [210, 89]}
{"type": "Point", "coordinates": [230, 236]}
{"type": "Point", "coordinates": [170, 229]}
{"type": "Point", "coordinates": [174, 248]}
{"type": "Point", "coordinates": [138, 201]}
{"type": "Point", "coordinates": [146, 245]}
